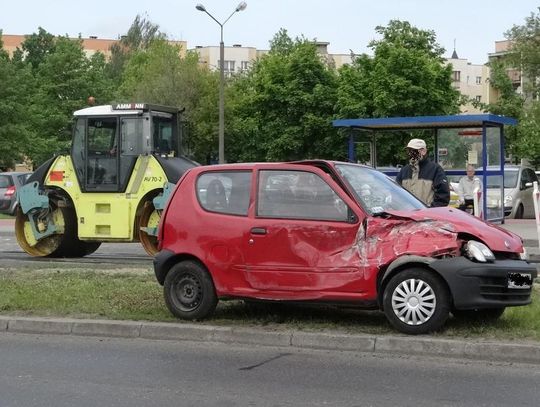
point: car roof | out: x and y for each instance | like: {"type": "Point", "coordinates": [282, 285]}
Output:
{"type": "Point", "coordinates": [251, 165]}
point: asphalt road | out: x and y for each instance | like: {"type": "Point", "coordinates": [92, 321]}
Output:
{"type": "Point", "coordinates": [66, 371]}
{"type": "Point", "coordinates": [108, 253]}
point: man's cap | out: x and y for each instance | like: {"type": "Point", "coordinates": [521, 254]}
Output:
{"type": "Point", "coordinates": [416, 144]}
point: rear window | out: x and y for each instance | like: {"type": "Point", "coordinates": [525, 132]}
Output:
{"type": "Point", "coordinates": [5, 181]}
{"type": "Point", "coordinates": [225, 192]}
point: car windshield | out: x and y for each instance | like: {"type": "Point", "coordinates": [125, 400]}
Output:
{"type": "Point", "coordinates": [377, 192]}
{"type": "Point", "coordinates": [510, 180]}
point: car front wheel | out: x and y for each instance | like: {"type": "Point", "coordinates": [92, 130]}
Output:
{"type": "Point", "coordinates": [189, 291]}
{"type": "Point", "coordinates": [416, 301]}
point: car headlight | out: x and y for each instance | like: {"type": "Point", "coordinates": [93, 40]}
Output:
{"type": "Point", "coordinates": [508, 200]}
{"type": "Point", "coordinates": [478, 251]}
{"type": "Point", "coordinates": [524, 255]}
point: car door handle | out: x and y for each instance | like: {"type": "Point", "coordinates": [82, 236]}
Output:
{"type": "Point", "coordinates": [258, 231]}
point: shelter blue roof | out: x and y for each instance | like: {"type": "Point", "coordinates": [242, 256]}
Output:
{"type": "Point", "coordinates": [416, 122]}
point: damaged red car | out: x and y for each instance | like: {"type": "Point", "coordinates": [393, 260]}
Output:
{"type": "Point", "coordinates": [335, 233]}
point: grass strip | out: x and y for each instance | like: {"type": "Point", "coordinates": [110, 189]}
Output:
{"type": "Point", "coordinates": [134, 294]}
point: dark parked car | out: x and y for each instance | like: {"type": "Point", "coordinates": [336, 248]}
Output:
{"type": "Point", "coordinates": [330, 232]}
{"type": "Point", "coordinates": [9, 183]}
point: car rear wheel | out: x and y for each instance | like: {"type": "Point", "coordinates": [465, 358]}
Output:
{"type": "Point", "coordinates": [189, 291]}
{"type": "Point", "coordinates": [479, 315]}
{"type": "Point", "coordinates": [416, 301]}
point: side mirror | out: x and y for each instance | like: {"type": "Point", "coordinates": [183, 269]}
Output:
{"type": "Point", "coordinates": [528, 185]}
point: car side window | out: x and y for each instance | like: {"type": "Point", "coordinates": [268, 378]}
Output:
{"type": "Point", "coordinates": [298, 195]}
{"type": "Point", "coordinates": [529, 176]}
{"type": "Point", "coordinates": [225, 192]}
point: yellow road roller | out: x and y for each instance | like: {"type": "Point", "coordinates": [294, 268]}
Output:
{"type": "Point", "coordinates": [112, 186]}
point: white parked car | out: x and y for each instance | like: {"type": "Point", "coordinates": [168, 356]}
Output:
{"type": "Point", "coordinates": [518, 187]}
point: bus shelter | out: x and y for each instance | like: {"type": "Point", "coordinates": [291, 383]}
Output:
{"type": "Point", "coordinates": [453, 141]}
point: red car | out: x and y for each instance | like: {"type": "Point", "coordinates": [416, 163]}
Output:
{"type": "Point", "coordinates": [331, 232]}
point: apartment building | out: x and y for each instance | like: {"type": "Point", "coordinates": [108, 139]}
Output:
{"type": "Point", "coordinates": [91, 45]}
{"type": "Point", "coordinates": [471, 80]}
{"type": "Point", "coordinates": [238, 59]}
{"type": "Point", "coordinates": [502, 48]}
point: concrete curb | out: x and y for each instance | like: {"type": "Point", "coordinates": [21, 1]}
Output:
{"type": "Point", "coordinates": [387, 344]}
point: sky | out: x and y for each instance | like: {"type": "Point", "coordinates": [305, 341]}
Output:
{"type": "Point", "coordinates": [348, 25]}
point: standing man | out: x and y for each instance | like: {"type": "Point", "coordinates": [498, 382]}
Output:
{"type": "Point", "coordinates": [422, 177]}
{"type": "Point", "coordinates": [466, 187]}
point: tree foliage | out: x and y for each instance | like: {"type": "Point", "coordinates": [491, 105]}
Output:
{"type": "Point", "coordinates": [524, 55]}
{"type": "Point", "coordinates": [140, 35]}
{"type": "Point", "coordinates": [15, 91]}
{"type": "Point", "coordinates": [45, 82]}
{"type": "Point", "coordinates": [283, 108]}
{"type": "Point", "coordinates": [525, 52]}
{"type": "Point", "coordinates": [157, 74]}
{"type": "Point", "coordinates": [407, 76]}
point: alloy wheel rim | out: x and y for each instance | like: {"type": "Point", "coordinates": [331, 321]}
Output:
{"type": "Point", "coordinates": [414, 302]}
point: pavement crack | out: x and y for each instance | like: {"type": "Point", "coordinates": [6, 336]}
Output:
{"type": "Point", "coordinates": [265, 361]}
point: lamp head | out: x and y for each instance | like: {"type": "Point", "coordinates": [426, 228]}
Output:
{"type": "Point", "coordinates": [200, 7]}
{"type": "Point", "coordinates": [242, 6]}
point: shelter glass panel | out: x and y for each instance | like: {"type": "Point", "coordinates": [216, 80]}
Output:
{"type": "Point", "coordinates": [493, 144]}
{"type": "Point", "coordinates": [458, 147]}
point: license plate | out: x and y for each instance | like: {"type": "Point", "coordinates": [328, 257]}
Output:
{"type": "Point", "coordinates": [519, 280]}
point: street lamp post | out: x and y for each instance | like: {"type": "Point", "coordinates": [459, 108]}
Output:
{"type": "Point", "coordinates": [241, 6]}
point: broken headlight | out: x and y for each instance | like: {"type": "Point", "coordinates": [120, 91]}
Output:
{"type": "Point", "coordinates": [478, 251]}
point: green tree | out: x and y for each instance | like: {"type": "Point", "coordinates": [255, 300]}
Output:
{"type": "Point", "coordinates": [157, 74]}
{"type": "Point", "coordinates": [529, 134]}
{"type": "Point", "coordinates": [407, 76]}
{"type": "Point", "coordinates": [15, 90]}
{"type": "Point", "coordinates": [36, 47]}
{"type": "Point", "coordinates": [66, 77]}
{"type": "Point", "coordinates": [509, 103]}
{"type": "Point", "coordinates": [283, 108]}
{"type": "Point", "coordinates": [525, 52]}
{"type": "Point", "coordinates": [140, 35]}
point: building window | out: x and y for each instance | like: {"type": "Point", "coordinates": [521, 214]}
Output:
{"type": "Point", "coordinates": [244, 66]}
{"type": "Point", "coordinates": [478, 80]}
{"type": "Point", "coordinates": [228, 67]}
{"type": "Point", "coordinates": [478, 98]}
{"type": "Point", "coordinates": [456, 76]}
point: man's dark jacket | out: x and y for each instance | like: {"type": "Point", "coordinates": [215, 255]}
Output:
{"type": "Point", "coordinates": [431, 187]}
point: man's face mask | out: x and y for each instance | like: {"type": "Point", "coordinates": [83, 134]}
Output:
{"type": "Point", "coordinates": [413, 154]}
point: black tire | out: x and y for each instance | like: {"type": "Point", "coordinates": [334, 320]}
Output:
{"type": "Point", "coordinates": [80, 248]}
{"type": "Point", "coordinates": [479, 315]}
{"type": "Point", "coordinates": [189, 291]}
{"type": "Point", "coordinates": [519, 212]}
{"type": "Point", "coordinates": [422, 307]}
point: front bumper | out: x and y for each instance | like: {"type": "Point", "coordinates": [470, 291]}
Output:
{"type": "Point", "coordinates": [484, 285]}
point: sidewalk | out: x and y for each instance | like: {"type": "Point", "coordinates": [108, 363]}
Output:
{"type": "Point", "coordinates": [521, 352]}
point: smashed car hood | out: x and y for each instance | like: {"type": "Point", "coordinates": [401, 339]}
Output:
{"type": "Point", "coordinates": [456, 221]}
